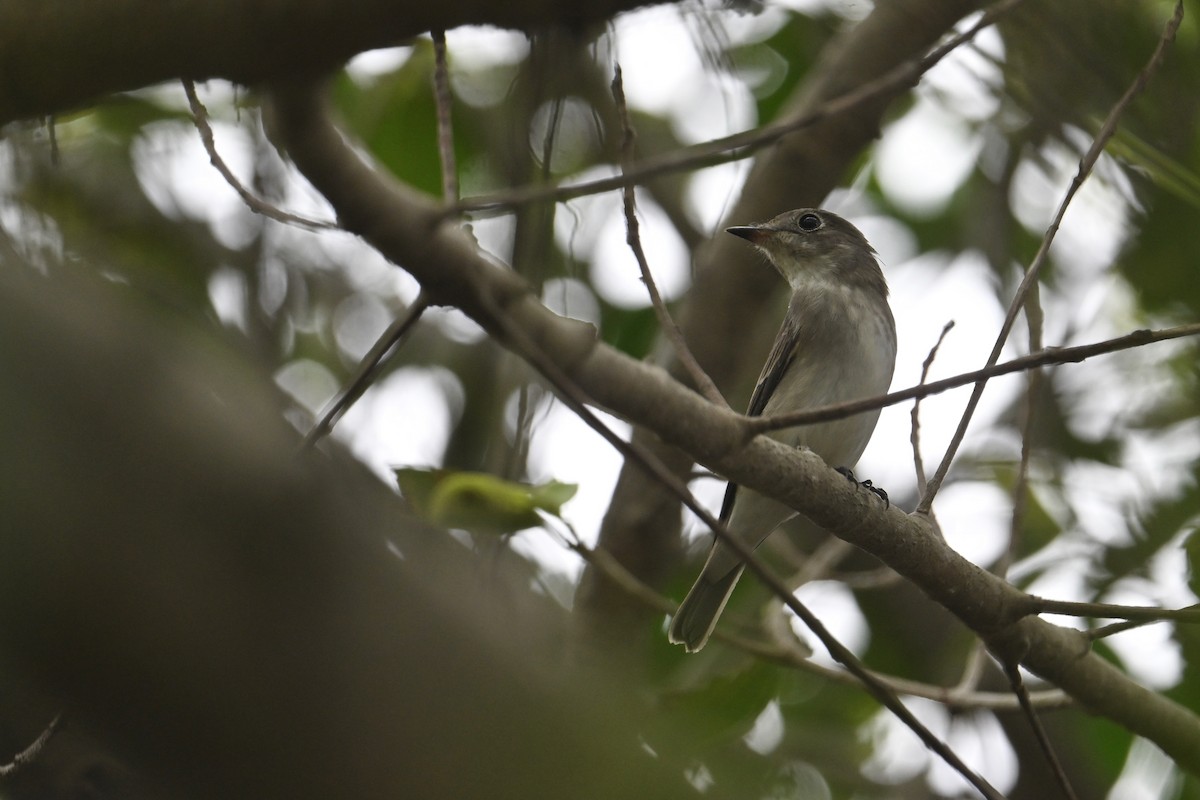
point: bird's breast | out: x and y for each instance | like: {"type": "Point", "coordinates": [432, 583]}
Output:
{"type": "Point", "coordinates": [844, 352]}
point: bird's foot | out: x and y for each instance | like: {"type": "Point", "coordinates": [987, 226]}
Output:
{"type": "Point", "coordinates": [880, 493]}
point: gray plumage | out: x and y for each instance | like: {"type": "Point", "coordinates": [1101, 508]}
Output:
{"type": "Point", "coordinates": [837, 343]}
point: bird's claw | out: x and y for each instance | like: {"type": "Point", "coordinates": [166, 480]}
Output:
{"type": "Point", "coordinates": [878, 492]}
{"type": "Point", "coordinates": [867, 484]}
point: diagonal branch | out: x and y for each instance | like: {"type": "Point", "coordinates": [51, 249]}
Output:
{"type": "Point", "coordinates": [1013, 672]}
{"type": "Point", "coordinates": [368, 370]}
{"type": "Point", "coordinates": [665, 322]}
{"type": "Point", "coordinates": [403, 225]}
{"type": "Point", "coordinates": [30, 754]}
{"type": "Point", "coordinates": [914, 436]}
{"type": "Point", "coordinates": [252, 201]}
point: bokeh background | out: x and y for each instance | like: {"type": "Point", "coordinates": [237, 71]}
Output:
{"type": "Point", "coordinates": [955, 193]}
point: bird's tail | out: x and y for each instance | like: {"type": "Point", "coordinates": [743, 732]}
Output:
{"type": "Point", "coordinates": [698, 613]}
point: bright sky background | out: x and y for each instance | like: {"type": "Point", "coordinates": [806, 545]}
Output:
{"type": "Point", "coordinates": [920, 161]}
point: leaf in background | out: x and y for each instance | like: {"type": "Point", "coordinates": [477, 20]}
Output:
{"type": "Point", "coordinates": [480, 502]}
{"type": "Point", "coordinates": [1160, 265]}
{"type": "Point", "coordinates": [395, 117]}
{"type": "Point", "coordinates": [1166, 173]}
{"type": "Point", "coordinates": [633, 332]}
{"type": "Point", "coordinates": [724, 706]}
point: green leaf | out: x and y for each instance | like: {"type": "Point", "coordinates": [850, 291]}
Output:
{"type": "Point", "coordinates": [480, 502]}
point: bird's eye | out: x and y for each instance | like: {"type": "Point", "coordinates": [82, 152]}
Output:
{"type": "Point", "coordinates": [809, 222]}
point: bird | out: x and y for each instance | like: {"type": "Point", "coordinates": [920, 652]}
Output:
{"type": "Point", "coordinates": [837, 343]}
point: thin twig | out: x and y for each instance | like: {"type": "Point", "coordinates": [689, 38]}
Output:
{"type": "Point", "coordinates": [915, 436]}
{"type": "Point", "coordinates": [1020, 490]}
{"type": "Point", "coordinates": [518, 454]}
{"type": "Point", "coordinates": [252, 201]}
{"type": "Point", "coordinates": [820, 564]}
{"type": "Point", "coordinates": [576, 400]}
{"type": "Point", "coordinates": [51, 123]}
{"type": "Point", "coordinates": [1085, 167]}
{"type": "Point", "coordinates": [817, 565]}
{"type": "Point", "coordinates": [29, 754]}
{"type": "Point", "coordinates": [367, 370]}
{"type": "Point", "coordinates": [390, 339]}
{"type": "Point", "coordinates": [445, 129]}
{"type": "Point", "coordinates": [633, 239]}
{"type": "Point", "coordinates": [1013, 671]}
{"type": "Point", "coordinates": [1042, 605]}
{"type": "Point", "coordinates": [1112, 629]}
{"type": "Point", "coordinates": [553, 124]}
{"type": "Point", "coordinates": [951, 697]}
{"type": "Point", "coordinates": [615, 571]}
{"type": "Point", "coordinates": [1053, 355]}
{"type": "Point", "coordinates": [737, 146]}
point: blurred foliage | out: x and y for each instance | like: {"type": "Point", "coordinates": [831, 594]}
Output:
{"type": "Point", "coordinates": [397, 119]}
{"type": "Point", "coordinates": [302, 296]}
{"type": "Point", "coordinates": [480, 502]}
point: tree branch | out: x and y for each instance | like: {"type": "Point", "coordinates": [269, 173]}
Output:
{"type": "Point", "coordinates": [30, 753]}
{"type": "Point", "coordinates": [402, 225]}
{"type": "Point", "coordinates": [252, 201]}
{"type": "Point", "coordinates": [666, 324]}
{"type": "Point", "coordinates": [54, 57]}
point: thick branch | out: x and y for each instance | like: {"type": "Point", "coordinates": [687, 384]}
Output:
{"type": "Point", "coordinates": [58, 55]}
{"type": "Point", "coordinates": [396, 221]}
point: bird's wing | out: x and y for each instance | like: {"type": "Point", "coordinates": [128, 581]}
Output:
{"type": "Point", "coordinates": [783, 352]}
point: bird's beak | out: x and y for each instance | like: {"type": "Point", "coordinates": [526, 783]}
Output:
{"type": "Point", "coordinates": [751, 233]}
